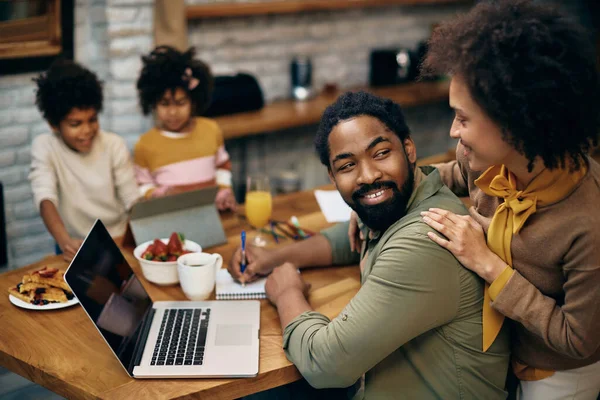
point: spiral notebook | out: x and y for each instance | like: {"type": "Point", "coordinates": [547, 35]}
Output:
{"type": "Point", "coordinates": [228, 289]}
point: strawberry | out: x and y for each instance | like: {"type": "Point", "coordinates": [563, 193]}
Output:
{"type": "Point", "coordinates": [148, 254]}
{"type": "Point", "coordinates": [175, 246]}
{"type": "Point", "coordinates": [160, 251]}
{"type": "Point", "coordinates": [172, 258]}
{"type": "Point", "coordinates": [47, 272]}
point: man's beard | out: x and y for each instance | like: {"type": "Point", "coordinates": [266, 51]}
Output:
{"type": "Point", "coordinates": [381, 216]}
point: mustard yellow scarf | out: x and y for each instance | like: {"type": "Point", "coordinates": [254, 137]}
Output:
{"type": "Point", "coordinates": [548, 187]}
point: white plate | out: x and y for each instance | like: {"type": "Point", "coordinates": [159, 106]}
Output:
{"type": "Point", "coordinates": [50, 306]}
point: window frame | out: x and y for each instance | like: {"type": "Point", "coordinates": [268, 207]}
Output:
{"type": "Point", "coordinates": [32, 44]}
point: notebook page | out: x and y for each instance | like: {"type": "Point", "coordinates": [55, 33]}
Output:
{"type": "Point", "coordinates": [228, 289]}
{"type": "Point", "coordinates": [333, 206]}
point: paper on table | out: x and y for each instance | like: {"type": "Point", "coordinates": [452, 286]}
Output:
{"type": "Point", "coordinates": [333, 206]}
{"type": "Point", "coordinates": [228, 289]}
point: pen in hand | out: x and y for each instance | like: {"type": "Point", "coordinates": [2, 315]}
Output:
{"type": "Point", "coordinates": [243, 261]}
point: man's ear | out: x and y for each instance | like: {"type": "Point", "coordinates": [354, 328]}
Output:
{"type": "Point", "coordinates": [410, 149]}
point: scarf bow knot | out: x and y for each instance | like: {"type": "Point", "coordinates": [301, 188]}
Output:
{"type": "Point", "coordinates": [548, 187]}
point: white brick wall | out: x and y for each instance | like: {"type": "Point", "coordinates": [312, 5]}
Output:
{"type": "Point", "coordinates": [338, 42]}
{"type": "Point", "coordinates": [110, 37]}
{"type": "Point", "coordinates": [129, 30]}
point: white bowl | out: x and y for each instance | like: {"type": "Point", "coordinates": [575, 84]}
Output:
{"type": "Point", "coordinates": [162, 272]}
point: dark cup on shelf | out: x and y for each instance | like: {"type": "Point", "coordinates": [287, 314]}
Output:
{"type": "Point", "coordinates": [301, 78]}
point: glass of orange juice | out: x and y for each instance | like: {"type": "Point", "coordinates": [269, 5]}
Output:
{"type": "Point", "coordinates": [259, 205]}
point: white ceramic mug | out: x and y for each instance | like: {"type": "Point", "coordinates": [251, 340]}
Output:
{"type": "Point", "coordinates": [197, 274]}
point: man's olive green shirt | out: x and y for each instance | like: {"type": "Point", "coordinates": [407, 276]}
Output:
{"type": "Point", "coordinates": [414, 328]}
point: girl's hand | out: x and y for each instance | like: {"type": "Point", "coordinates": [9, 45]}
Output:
{"type": "Point", "coordinates": [354, 234]}
{"type": "Point", "coordinates": [466, 240]}
{"type": "Point", "coordinates": [225, 200]}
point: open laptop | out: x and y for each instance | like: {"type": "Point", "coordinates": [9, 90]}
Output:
{"type": "Point", "coordinates": [166, 339]}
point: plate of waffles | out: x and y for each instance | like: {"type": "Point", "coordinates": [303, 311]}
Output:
{"type": "Point", "coordinates": [44, 289]}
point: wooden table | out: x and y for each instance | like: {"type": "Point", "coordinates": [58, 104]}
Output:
{"type": "Point", "coordinates": [62, 351]}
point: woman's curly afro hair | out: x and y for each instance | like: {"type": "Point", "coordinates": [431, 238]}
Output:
{"type": "Point", "coordinates": [532, 70]}
{"type": "Point", "coordinates": [66, 85]}
{"type": "Point", "coordinates": [165, 69]}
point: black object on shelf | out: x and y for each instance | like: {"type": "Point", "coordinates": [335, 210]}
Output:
{"type": "Point", "coordinates": [398, 65]}
{"type": "Point", "coordinates": [391, 66]}
{"type": "Point", "coordinates": [234, 94]}
{"type": "Point", "coordinates": [3, 247]}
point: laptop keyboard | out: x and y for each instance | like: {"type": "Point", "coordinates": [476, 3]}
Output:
{"type": "Point", "coordinates": [182, 337]}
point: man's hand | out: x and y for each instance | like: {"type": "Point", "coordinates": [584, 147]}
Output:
{"type": "Point", "coordinates": [69, 248]}
{"type": "Point", "coordinates": [259, 262]}
{"type": "Point", "coordinates": [285, 280]}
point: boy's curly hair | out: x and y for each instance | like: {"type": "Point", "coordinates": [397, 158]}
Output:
{"type": "Point", "coordinates": [64, 86]}
{"type": "Point", "coordinates": [353, 104]}
{"type": "Point", "coordinates": [532, 70]}
{"type": "Point", "coordinates": [165, 69]}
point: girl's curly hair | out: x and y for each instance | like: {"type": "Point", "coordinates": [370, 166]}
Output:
{"type": "Point", "coordinates": [64, 86]}
{"type": "Point", "coordinates": [165, 68]}
{"type": "Point", "coordinates": [532, 70]}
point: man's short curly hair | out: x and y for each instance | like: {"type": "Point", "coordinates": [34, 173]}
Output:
{"type": "Point", "coordinates": [165, 70]}
{"type": "Point", "coordinates": [353, 104]}
{"type": "Point", "coordinates": [532, 69]}
{"type": "Point", "coordinates": [64, 86]}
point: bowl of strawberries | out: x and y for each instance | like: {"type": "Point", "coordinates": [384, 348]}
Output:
{"type": "Point", "coordinates": [158, 257]}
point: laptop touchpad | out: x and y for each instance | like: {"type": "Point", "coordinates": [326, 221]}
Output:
{"type": "Point", "coordinates": [234, 335]}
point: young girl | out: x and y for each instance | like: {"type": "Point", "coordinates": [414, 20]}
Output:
{"type": "Point", "coordinates": [181, 152]}
{"type": "Point", "coordinates": [78, 172]}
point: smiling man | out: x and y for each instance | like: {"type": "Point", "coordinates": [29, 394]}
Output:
{"type": "Point", "coordinates": [413, 330]}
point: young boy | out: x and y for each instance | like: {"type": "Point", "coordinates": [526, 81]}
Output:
{"type": "Point", "coordinates": [78, 172]}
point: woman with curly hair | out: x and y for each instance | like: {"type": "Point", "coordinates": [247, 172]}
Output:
{"type": "Point", "coordinates": [526, 93]}
{"type": "Point", "coordinates": [73, 166]}
{"type": "Point", "coordinates": [181, 152]}
{"type": "Point", "coordinates": [525, 90]}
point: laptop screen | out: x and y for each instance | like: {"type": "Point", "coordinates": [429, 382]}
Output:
{"type": "Point", "coordinates": [109, 292]}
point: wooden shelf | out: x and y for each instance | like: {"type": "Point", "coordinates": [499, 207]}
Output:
{"type": "Point", "coordinates": [232, 9]}
{"type": "Point", "coordinates": [287, 114]}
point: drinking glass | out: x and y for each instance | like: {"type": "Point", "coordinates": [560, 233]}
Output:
{"type": "Point", "coordinates": [259, 205]}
